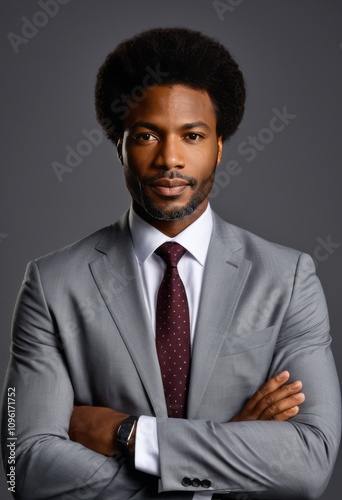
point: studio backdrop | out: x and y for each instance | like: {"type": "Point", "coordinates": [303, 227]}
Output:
{"type": "Point", "coordinates": [280, 176]}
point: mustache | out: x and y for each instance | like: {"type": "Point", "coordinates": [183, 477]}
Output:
{"type": "Point", "coordinates": [172, 175]}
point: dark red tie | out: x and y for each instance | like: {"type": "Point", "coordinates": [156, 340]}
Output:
{"type": "Point", "coordinates": [173, 332]}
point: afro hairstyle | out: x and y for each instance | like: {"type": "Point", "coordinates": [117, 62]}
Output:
{"type": "Point", "coordinates": [180, 56]}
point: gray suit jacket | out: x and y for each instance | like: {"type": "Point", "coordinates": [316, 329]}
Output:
{"type": "Point", "coordinates": [81, 335]}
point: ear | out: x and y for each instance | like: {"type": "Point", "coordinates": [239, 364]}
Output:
{"type": "Point", "coordinates": [219, 149]}
{"type": "Point", "coordinates": [119, 150]}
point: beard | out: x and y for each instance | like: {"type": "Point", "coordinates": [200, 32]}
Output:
{"type": "Point", "coordinates": [200, 193]}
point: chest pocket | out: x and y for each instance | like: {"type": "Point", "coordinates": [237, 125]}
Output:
{"type": "Point", "coordinates": [246, 341]}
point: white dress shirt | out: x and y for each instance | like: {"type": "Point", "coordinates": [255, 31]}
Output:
{"type": "Point", "coordinates": [146, 239]}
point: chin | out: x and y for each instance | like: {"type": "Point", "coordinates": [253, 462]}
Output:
{"type": "Point", "coordinates": [174, 213]}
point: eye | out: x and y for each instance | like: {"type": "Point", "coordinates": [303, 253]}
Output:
{"type": "Point", "coordinates": [194, 137]}
{"type": "Point", "coordinates": [144, 137]}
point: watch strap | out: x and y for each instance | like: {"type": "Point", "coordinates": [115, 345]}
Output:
{"type": "Point", "coordinates": [124, 435]}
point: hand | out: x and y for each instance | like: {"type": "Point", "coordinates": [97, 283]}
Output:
{"type": "Point", "coordinates": [96, 427]}
{"type": "Point", "coordinates": [273, 401]}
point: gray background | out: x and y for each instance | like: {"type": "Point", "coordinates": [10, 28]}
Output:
{"type": "Point", "coordinates": [291, 55]}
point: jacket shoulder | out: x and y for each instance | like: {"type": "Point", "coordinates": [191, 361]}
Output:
{"type": "Point", "coordinates": [82, 252]}
{"type": "Point", "coordinates": [257, 249]}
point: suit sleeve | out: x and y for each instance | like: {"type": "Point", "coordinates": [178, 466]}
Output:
{"type": "Point", "coordinates": [292, 459]}
{"type": "Point", "coordinates": [48, 464]}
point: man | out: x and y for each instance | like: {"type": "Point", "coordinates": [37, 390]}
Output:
{"type": "Point", "coordinates": [140, 368]}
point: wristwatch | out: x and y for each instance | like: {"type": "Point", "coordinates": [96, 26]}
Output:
{"type": "Point", "coordinates": [124, 435]}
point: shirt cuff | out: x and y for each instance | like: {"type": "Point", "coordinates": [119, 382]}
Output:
{"type": "Point", "coordinates": [146, 446]}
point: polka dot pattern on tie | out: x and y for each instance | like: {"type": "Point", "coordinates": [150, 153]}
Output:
{"type": "Point", "coordinates": [173, 331]}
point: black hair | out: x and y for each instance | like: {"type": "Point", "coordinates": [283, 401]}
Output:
{"type": "Point", "coordinates": [169, 56]}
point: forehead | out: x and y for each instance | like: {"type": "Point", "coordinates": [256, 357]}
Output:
{"type": "Point", "coordinates": [173, 104]}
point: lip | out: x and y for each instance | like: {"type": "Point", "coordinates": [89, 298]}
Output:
{"type": "Point", "coordinates": [169, 187]}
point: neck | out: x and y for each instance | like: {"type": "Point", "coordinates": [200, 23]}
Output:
{"type": "Point", "coordinates": [171, 227]}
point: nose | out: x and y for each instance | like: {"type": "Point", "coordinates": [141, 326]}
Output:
{"type": "Point", "coordinates": [170, 154]}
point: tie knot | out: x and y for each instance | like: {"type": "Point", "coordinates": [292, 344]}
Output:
{"type": "Point", "coordinates": [171, 253]}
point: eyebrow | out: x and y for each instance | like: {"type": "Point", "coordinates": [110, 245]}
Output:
{"type": "Point", "coordinates": [195, 125]}
{"type": "Point", "coordinates": [186, 126]}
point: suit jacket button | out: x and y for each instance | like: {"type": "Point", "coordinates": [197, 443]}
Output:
{"type": "Point", "coordinates": [186, 481]}
{"type": "Point", "coordinates": [196, 482]}
{"type": "Point", "coordinates": [205, 483]}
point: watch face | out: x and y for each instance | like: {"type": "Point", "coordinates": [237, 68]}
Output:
{"type": "Point", "coordinates": [125, 430]}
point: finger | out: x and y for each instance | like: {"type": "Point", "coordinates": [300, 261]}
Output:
{"type": "Point", "coordinates": [267, 388]}
{"type": "Point", "coordinates": [282, 406]}
{"type": "Point", "coordinates": [278, 395]}
{"type": "Point", "coordinates": [286, 415]}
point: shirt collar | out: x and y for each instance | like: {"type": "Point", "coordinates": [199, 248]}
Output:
{"type": "Point", "coordinates": [195, 238]}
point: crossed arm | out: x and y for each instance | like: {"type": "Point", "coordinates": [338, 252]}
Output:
{"type": "Point", "coordinates": [96, 427]}
{"type": "Point", "coordinates": [270, 447]}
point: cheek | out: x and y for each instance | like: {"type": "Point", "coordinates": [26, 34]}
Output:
{"type": "Point", "coordinates": [131, 175]}
{"type": "Point", "coordinates": [205, 153]}
{"type": "Point", "coordinates": [137, 162]}
{"type": "Point", "coordinates": [203, 163]}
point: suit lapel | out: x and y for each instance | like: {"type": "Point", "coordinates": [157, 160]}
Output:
{"type": "Point", "coordinates": [117, 277]}
{"type": "Point", "coordinates": [225, 275]}
{"type": "Point", "coordinates": [116, 274]}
